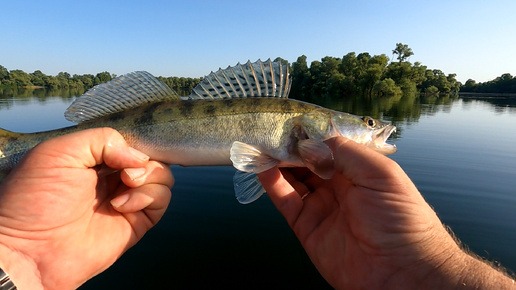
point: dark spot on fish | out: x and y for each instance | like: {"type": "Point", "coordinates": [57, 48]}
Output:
{"type": "Point", "coordinates": [152, 107]}
{"type": "Point", "coordinates": [210, 110]}
{"type": "Point", "coordinates": [229, 103]}
{"type": "Point", "coordinates": [115, 117]}
{"type": "Point", "coordinates": [255, 102]}
{"type": "Point", "coordinates": [186, 108]}
{"type": "Point", "coordinates": [168, 111]}
{"type": "Point", "coordinates": [147, 116]}
{"type": "Point", "coordinates": [286, 106]}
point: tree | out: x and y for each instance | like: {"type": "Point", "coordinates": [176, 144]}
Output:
{"type": "Point", "coordinates": [102, 77]}
{"type": "Point", "coordinates": [403, 52]}
{"type": "Point", "coordinates": [318, 82]}
{"type": "Point", "coordinates": [300, 78]}
{"type": "Point", "coordinates": [63, 78]}
{"type": "Point", "coordinates": [469, 86]}
{"type": "Point", "coordinates": [4, 73]}
{"type": "Point", "coordinates": [386, 87]}
{"type": "Point", "coordinates": [37, 78]}
{"type": "Point", "coordinates": [19, 78]}
{"type": "Point", "coordinates": [348, 64]}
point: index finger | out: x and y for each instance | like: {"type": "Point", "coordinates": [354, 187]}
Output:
{"type": "Point", "coordinates": [284, 196]}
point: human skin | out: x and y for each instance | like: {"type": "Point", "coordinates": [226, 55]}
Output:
{"type": "Point", "coordinates": [368, 227]}
{"type": "Point", "coordinates": [64, 218]}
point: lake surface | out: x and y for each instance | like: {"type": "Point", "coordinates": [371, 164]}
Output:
{"type": "Point", "coordinates": [460, 152]}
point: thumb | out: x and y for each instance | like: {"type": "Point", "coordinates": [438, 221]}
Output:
{"type": "Point", "coordinates": [88, 148]}
{"type": "Point", "coordinates": [359, 163]}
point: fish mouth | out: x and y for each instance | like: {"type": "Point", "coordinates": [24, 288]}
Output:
{"type": "Point", "coordinates": [380, 138]}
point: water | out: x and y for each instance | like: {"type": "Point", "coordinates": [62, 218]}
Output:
{"type": "Point", "coordinates": [459, 152]}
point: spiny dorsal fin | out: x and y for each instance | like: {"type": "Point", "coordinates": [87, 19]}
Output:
{"type": "Point", "coordinates": [258, 79]}
{"type": "Point", "coordinates": [124, 92]}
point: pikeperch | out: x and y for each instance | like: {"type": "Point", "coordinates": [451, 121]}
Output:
{"type": "Point", "coordinates": [239, 115]}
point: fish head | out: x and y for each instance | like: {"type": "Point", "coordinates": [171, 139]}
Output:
{"type": "Point", "coordinates": [324, 124]}
{"type": "Point", "coordinates": [364, 130]}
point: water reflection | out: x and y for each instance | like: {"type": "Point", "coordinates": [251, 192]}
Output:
{"type": "Point", "coordinates": [399, 110]}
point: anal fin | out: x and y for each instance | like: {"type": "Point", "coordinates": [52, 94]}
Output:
{"type": "Point", "coordinates": [248, 187]}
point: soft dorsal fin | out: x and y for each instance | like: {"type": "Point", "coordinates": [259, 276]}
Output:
{"type": "Point", "coordinates": [124, 92]}
{"type": "Point", "coordinates": [258, 79]}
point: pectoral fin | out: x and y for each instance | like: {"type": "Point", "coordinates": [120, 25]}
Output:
{"type": "Point", "coordinates": [248, 158]}
{"type": "Point", "coordinates": [317, 156]}
{"type": "Point", "coordinates": [248, 187]}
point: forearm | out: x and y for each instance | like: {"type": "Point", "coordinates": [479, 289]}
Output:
{"type": "Point", "coordinates": [478, 274]}
{"type": "Point", "coordinates": [21, 269]}
{"type": "Point", "coordinates": [445, 265]}
{"type": "Point", "coordinates": [458, 269]}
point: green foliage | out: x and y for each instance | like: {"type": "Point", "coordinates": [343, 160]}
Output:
{"type": "Point", "coordinates": [386, 88]}
{"type": "Point", "coordinates": [183, 86]}
{"type": "Point", "coordinates": [505, 83]}
{"type": "Point", "coordinates": [432, 90]}
{"type": "Point", "coordinates": [301, 78]}
{"type": "Point", "coordinates": [403, 52]}
{"type": "Point", "coordinates": [63, 80]}
{"type": "Point", "coordinates": [19, 78]}
{"type": "Point", "coordinates": [436, 79]}
{"type": "Point", "coordinates": [367, 75]}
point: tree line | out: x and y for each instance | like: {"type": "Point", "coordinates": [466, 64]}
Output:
{"type": "Point", "coordinates": [505, 83]}
{"type": "Point", "coordinates": [368, 75]}
{"type": "Point", "coordinates": [63, 80]}
{"type": "Point", "coordinates": [353, 74]}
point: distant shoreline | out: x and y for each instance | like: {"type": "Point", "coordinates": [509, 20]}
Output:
{"type": "Point", "coordinates": [486, 95]}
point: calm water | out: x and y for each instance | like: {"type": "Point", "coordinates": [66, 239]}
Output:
{"type": "Point", "coordinates": [461, 154]}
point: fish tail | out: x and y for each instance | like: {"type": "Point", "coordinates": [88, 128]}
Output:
{"type": "Point", "coordinates": [7, 158]}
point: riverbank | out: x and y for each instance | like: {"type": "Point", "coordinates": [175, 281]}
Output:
{"type": "Point", "coordinates": [486, 95]}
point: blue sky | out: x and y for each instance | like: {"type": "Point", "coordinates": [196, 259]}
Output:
{"type": "Point", "coordinates": [474, 39]}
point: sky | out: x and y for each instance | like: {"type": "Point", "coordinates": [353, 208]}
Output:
{"type": "Point", "coordinates": [473, 39]}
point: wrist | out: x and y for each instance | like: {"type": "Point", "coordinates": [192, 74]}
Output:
{"type": "Point", "coordinates": [480, 274]}
{"type": "Point", "coordinates": [22, 271]}
{"type": "Point", "coordinates": [454, 268]}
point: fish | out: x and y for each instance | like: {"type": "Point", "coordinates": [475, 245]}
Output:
{"type": "Point", "coordinates": [238, 116]}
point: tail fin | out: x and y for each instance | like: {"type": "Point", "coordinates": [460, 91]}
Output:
{"type": "Point", "coordinates": [8, 153]}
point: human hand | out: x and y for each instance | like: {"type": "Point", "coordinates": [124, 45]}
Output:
{"type": "Point", "coordinates": [62, 222]}
{"type": "Point", "coordinates": [368, 227]}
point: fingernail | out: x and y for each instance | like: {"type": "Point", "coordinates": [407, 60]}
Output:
{"type": "Point", "coordinates": [138, 154]}
{"type": "Point", "coordinates": [119, 200]}
{"type": "Point", "coordinates": [135, 173]}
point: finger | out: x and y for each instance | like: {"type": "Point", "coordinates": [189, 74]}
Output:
{"type": "Point", "coordinates": [88, 148]}
{"type": "Point", "coordinates": [284, 196]}
{"type": "Point", "coordinates": [143, 206]}
{"type": "Point", "coordinates": [296, 181]}
{"type": "Point", "coordinates": [153, 172]}
{"type": "Point", "coordinates": [361, 164]}
{"type": "Point", "coordinates": [367, 168]}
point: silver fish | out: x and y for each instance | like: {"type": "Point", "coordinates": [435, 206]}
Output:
{"type": "Point", "coordinates": [238, 116]}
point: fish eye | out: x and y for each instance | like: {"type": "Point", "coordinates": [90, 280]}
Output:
{"type": "Point", "coordinates": [369, 121]}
